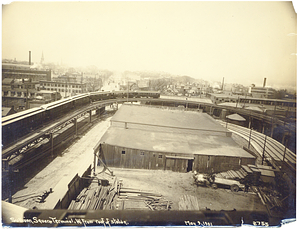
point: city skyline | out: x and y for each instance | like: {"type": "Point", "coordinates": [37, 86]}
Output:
{"type": "Point", "coordinates": [244, 42]}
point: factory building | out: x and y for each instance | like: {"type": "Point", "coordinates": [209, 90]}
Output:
{"type": "Point", "coordinates": [19, 71]}
{"type": "Point", "coordinates": [144, 137]}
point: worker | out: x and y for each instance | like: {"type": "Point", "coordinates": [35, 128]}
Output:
{"type": "Point", "coordinates": [246, 187]}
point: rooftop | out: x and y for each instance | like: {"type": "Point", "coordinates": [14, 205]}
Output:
{"type": "Point", "coordinates": [162, 117]}
{"type": "Point", "coordinates": [194, 132]}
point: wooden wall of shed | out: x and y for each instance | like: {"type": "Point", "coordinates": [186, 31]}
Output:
{"type": "Point", "coordinates": [121, 157]}
{"type": "Point", "coordinates": [216, 164]}
{"type": "Point", "coordinates": [142, 159]}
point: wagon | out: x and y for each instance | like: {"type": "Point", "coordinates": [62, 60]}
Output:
{"type": "Point", "coordinates": [216, 182]}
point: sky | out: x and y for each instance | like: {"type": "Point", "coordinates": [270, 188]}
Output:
{"type": "Point", "coordinates": [242, 41]}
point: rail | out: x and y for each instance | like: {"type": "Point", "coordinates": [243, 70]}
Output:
{"type": "Point", "coordinates": [267, 147]}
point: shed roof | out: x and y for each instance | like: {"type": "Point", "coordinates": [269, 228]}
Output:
{"type": "Point", "coordinates": [165, 117]}
{"type": "Point", "coordinates": [236, 117]}
{"type": "Point", "coordinates": [194, 132]}
{"type": "Point", "coordinates": [172, 142]}
{"type": "Point", "coordinates": [7, 110]}
{"type": "Point", "coordinates": [7, 81]}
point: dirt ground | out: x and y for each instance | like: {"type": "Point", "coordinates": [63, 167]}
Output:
{"type": "Point", "coordinates": [173, 185]}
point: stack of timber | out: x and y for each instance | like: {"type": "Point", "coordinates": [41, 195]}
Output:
{"type": "Point", "coordinates": [234, 175]}
{"type": "Point", "coordinates": [96, 197]}
{"type": "Point", "coordinates": [248, 172]}
{"type": "Point", "coordinates": [188, 202]}
{"type": "Point", "coordinates": [129, 198]}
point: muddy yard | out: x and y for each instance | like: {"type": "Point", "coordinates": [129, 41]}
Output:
{"type": "Point", "coordinates": [173, 185]}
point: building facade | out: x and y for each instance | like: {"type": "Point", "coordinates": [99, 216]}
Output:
{"type": "Point", "coordinates": [262, 92]}
{"type": "Point", "coordinates": [18, 71]}
{"type": "Point", "coordinates": [66, 89]}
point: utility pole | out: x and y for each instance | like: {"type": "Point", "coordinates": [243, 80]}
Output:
{"type": "Point", "coordinates": [127, 90]}
{"type": "Point", "coordinates": [263, 156]}
{"type": "Point", "coordinates": [27, 96]}
{"type": "Point", "coordinates": [249, 138]}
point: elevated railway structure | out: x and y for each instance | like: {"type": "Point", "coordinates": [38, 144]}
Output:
{"type": "Point", "coordinates": [277, 154]}
{"type": "Point", "coordinates": [24, 132]}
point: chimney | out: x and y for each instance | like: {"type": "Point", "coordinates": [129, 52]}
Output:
{"type": "Point", "coordinates": [29, 57]}
{"type": "Point", "coordinates": [265, 79]}
{"type": "Point", "coordinates": [223, 84]}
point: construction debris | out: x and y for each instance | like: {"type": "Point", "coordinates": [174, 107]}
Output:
{"type": "Point", "coordinates": [41, 198]}
{"type": "Point", "coordinates": [138, 199]}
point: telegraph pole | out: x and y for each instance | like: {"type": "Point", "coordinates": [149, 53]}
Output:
{"type": "Point", "coordinates": [263, 156]}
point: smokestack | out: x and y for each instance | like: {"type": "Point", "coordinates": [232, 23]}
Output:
{"type": "Point", "coordinates": [265, 79]}
{"type": "Point", "coordinates": [223, 84]}
{"type": "Point", "coordinates": [29, 57]}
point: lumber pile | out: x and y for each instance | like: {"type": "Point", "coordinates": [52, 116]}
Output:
{"type": "Point", "coordinates": [129, 198]}
{"type": "Point", "coordinates": [249, 173]}
{"type": "Point", "coordinates": [188, 202]}
{"type": "Point", "coordinates": [234, 175]}
{"type": "Point", "coordinates": [96, 197]}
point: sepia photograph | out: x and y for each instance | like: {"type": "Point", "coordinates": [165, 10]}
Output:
{"type": "Point", "coordinates": [149, 113]}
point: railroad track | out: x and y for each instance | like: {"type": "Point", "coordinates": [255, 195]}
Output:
{"type": "Point", "coordinates": [266, 146]}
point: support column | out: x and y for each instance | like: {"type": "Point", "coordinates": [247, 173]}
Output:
{"type": "Point", "coordinates": [9, 178]}
{"type": "Point", "coordinates": [250, 119]}
{"type": "Point", "coordinates": [95, 160]}
{"type": "Point", "coordinates": [76, 126]}
{"type": "Point", "coordinates": [52, 144]}
{"type": "Point", "coordinates": [263, 155]}
{"type": "Point", "coordinates": [272, 128]}
{"type": "Point", "coordinates": [90, 113]}
{"type": "Point", "coordinates": [249, 138]}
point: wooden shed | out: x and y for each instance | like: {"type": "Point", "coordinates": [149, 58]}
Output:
{"type": "Point", "coordinates": [181, 143]}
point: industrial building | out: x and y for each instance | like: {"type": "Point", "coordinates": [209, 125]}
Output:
{"type": "Point", "coordinates": [22, 71]}
{"type": "Point", "coordinates": [144, 137]}
{"type": "Point", "coordinates": [66, 89]}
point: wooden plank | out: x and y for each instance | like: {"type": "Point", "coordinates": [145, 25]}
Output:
{"type": "Point", "coordinates": [243, 172]}
{"type": "Point", "coordinates": [240, 175]}
{"type": "Point", "coordinates": [235, 174]}
{"type": "Point", "coordinates": [247, 169]}
{"type": "Point", "coordinates": [230, 174]}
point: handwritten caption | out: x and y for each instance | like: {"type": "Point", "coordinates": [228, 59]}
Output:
{"type": "Point", "coordinates": [198, 223]}
{"type": "Point", "coordinates": [75, 221]}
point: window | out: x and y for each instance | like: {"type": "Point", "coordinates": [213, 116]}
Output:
{"type": "Point", "coordinates": [123, 151]}
{"type": "Point", "coordinates": [159, 156]}
{"type": "Point", "coordinates": [142, 153]}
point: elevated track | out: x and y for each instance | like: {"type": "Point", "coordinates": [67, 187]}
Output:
{"type": "Point", "coordinates": [269, 149]}
{"type": "Point", "coordinates": [272, 149]}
